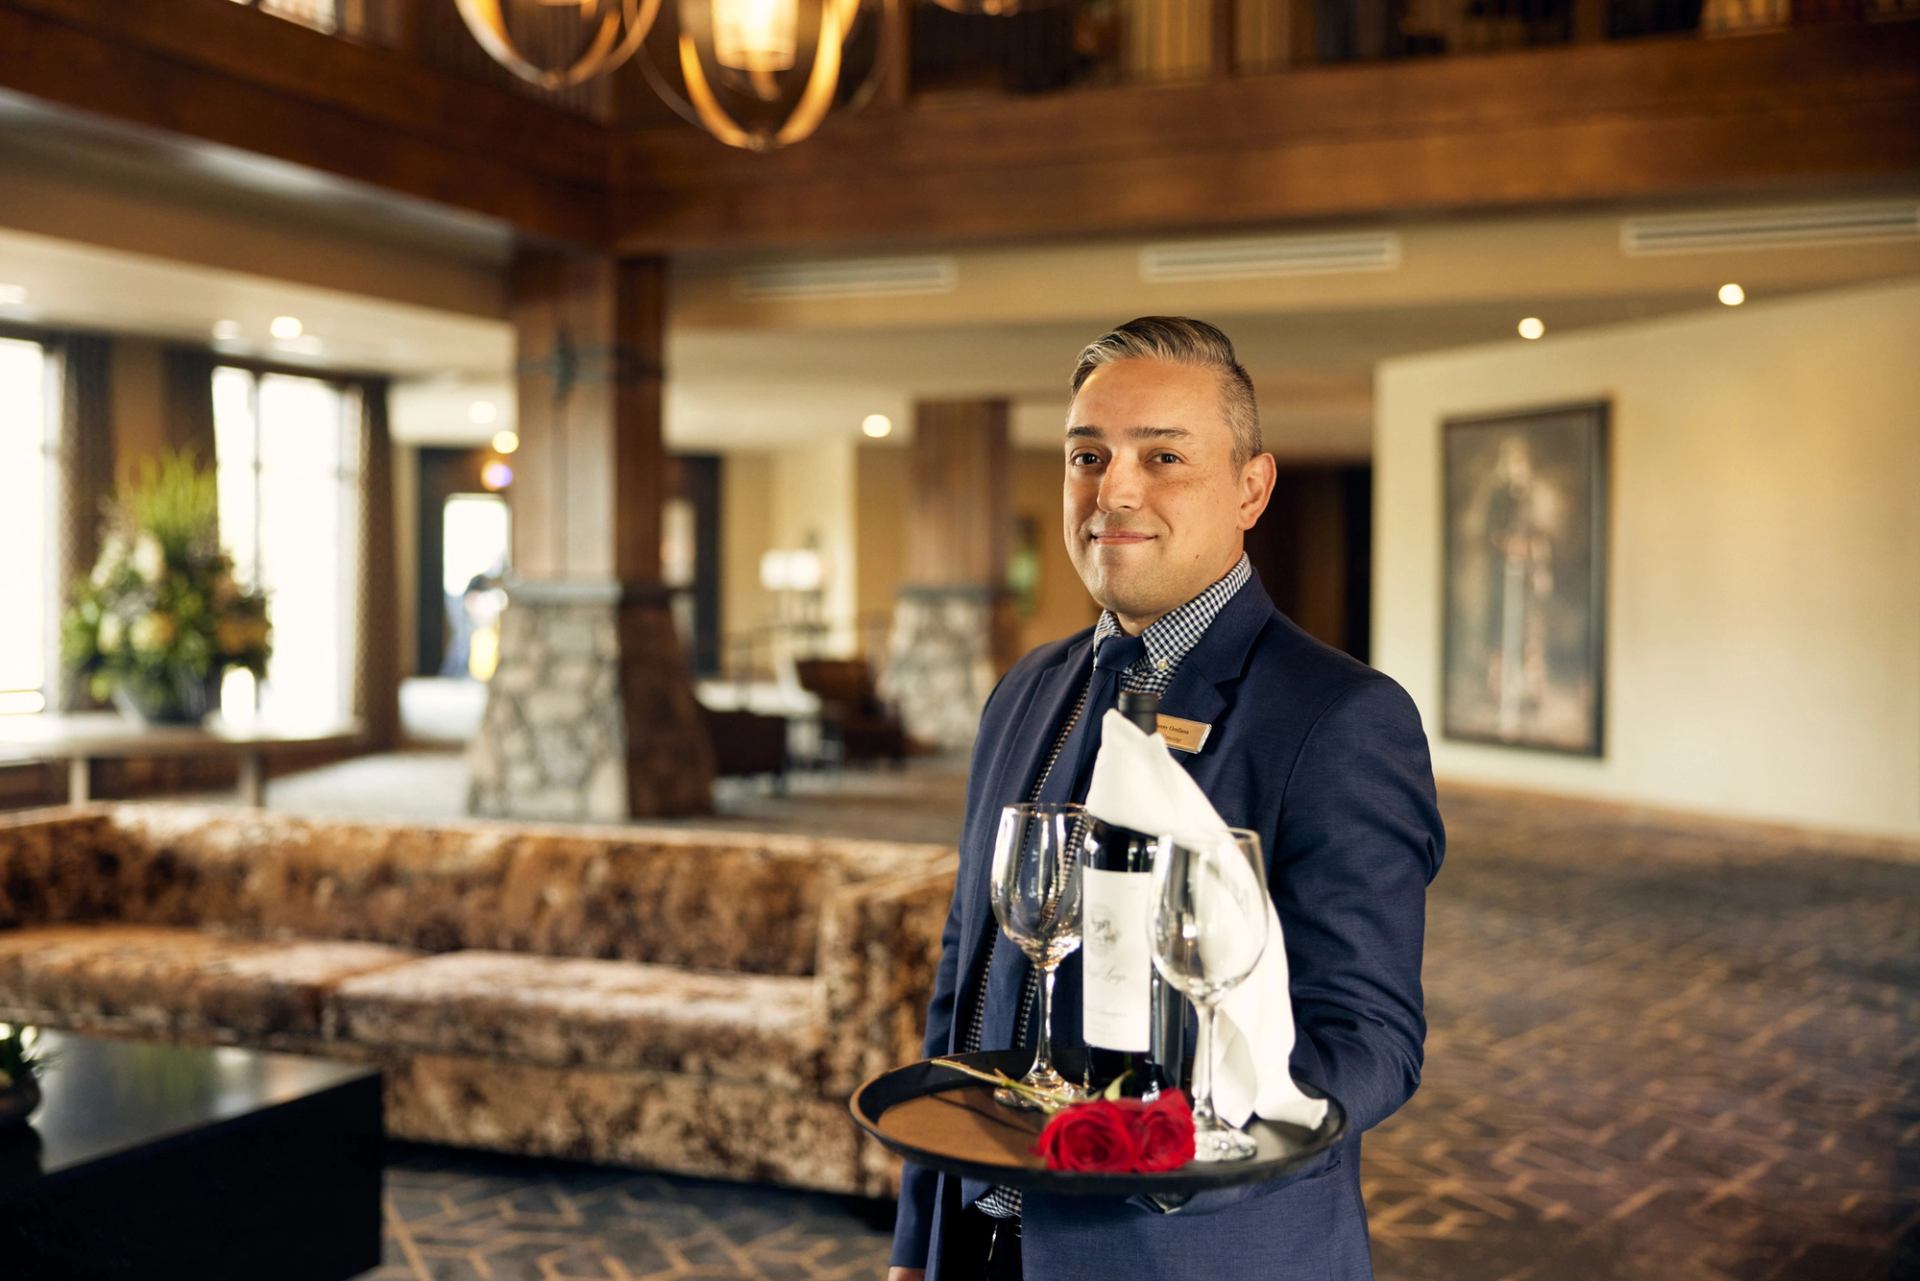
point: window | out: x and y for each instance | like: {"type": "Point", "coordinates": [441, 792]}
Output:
{"type": "Point", "coordinates": [289, 476]}
{"type": "Point", "coordinates": [29, 594]}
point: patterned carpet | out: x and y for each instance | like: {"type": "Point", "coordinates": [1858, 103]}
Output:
{"type": "Point", "coordinates": [1661, 1049]}
{"type": "Point", "coordinates": [454, 1216]}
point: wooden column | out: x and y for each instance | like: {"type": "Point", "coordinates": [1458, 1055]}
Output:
{"type": "Point", "coordinates": [954, 626]}
{"type": "Point", "coordinates": [591, 464]}
{"type": "Point", "coordinates": [957, 523]}
{"type": "Point", "coordinates": [591, 714]}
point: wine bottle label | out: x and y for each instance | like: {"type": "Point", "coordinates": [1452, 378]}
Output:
{"type": "Point", "coordinates": [1116, 969]}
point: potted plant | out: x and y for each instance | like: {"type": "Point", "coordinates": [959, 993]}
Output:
{"type": "Point", "coordinates": [20, 1067]}
{"type": "Point", "coordinates": [162, 617]}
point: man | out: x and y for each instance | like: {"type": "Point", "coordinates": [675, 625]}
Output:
{"type": "Point", "coordinates": [1319, 754]}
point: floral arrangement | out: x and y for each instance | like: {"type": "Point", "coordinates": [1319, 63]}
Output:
{"type": "Point", "coordinates": [1108, 1135]}
{"type": "Point", "coordinates": [20, 1063]}
{"type": "Point", "coordinates": [162, 616]}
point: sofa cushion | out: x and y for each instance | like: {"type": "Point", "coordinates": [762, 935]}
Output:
{"type": "Point", "coordinates": [267, 875]}
{"type": "Point", "coordinates": [176, 980]}
{"type": "Point", "coordinates": [57, 865]}
{"type": "Point", "coordinates": [719, 900]}
{"type": "Point", "coordinates": [568, 1012]}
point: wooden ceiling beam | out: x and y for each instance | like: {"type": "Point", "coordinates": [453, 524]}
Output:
{"type": "Point", "coordinates": [1620, 120]}
{"type": "Point", "coordinates": [217, 72]}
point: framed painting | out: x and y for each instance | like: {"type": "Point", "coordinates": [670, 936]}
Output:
{"type": "Point", "coordinates": [1524, 578]}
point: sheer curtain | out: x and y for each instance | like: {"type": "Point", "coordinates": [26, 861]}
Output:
{"type": "Point", "coordinates": [291, 453]}
{"type": "Point", "coordinates": [85, 462]}
{"type": "Point", "coordinates": [27, 491]}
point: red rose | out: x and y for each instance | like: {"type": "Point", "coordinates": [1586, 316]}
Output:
{"type": "Point", "coordinates": [1164, 1131]}
{"type": "Point", "coordinates": [1096, 1137]}
{"type": "Point", "coordinates": [1121, 1136]}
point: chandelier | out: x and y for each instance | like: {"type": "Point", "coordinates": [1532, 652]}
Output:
{"type": "Point", "coordinates": [598, 34]}
{"type": "Point", "coordinates": [755, 74]}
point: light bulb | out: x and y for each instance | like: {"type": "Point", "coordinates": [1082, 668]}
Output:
{"type": "Point", "coordinates": [1532, 327]}
{"type": "Point", "coordinates": [756, 36]}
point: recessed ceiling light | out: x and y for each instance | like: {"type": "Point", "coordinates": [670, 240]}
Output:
{"type": "Point", "coordinates": [226, 330]}
{"type": "Point", "coordinates": [1532, 327]}
{"type": "Point", "coordinates": [482, 412]}
{"type": "Point", "coordinates": [13, 295]}
{"type": "Point", "coordinates": [1732, 295]}
{"type": "Point", "coordinates": [878, 426]}
{"type": "Point", "coordinates": [496, 475]}
{"type": "Point", "coordinates": [505, 442]}
{"type": "Point", "coordinates": [285, 327]}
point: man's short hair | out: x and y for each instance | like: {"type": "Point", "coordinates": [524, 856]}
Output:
{"type": "Point", "coordinates": [1186, 342]}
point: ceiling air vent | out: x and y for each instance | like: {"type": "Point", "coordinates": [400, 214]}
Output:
{"type": "Point", "coordinates": [853, 278]}
{"type": "Point", "coordinates": [1807, 227]}
{"type": "Point", "coordinates": [1269, 256]}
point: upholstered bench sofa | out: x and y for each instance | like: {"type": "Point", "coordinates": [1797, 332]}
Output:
{"type": "Point", "coordinates": [700, 1002]}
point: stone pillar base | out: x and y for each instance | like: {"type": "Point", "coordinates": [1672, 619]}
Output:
{"type": "Point", "coordinates": [590, 716]}
{"type": "Point", "coordinates": [940, 663]}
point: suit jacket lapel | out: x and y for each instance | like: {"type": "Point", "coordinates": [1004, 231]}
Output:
{"type": "Point", "coordinates": [1023, 752]}
{"type": "Point", "coordinates": [1219, 659]}
{"type": "Point", "coordinates": [1026, 750]}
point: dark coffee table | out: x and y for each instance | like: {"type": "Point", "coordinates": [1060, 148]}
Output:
{"type": "Point", "coordinates": [159, 1161]}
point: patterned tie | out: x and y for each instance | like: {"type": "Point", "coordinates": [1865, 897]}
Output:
{"type": "Point", "coordinates": [1007, 975]}
{"type": "Point", "coordinates": [1068, 779]}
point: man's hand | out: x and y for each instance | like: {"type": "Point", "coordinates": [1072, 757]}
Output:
{"type": "Point", "coordinates": [906, 1274]}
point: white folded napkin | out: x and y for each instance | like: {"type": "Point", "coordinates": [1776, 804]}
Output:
{"type": "Point", "coordinates": [1137, 784]}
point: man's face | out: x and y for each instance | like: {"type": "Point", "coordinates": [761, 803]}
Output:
{"type": "Point", "coordinates": [1154, 506]}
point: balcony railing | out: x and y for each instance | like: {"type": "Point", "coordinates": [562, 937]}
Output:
{"type": "Point", "coordinates": [1095, 42]}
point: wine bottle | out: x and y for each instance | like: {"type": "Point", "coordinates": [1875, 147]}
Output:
{"type": "Point", "coordinates": [1133, 1022]}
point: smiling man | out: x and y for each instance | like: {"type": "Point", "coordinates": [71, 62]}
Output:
{"type": "Point", "coordinates": [1322, 756]}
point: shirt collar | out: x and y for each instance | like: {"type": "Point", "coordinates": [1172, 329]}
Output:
{"type": "Point", "coordinates": [1169, 637]}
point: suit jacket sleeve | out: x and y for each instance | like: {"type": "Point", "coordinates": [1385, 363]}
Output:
{"type": "Point", "coordinates": [1360, 839]}
{"type": "Point", "coordinates": [913, 1222]}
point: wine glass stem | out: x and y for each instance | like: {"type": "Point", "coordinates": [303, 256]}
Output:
{"type": "Point", "coordinates": [1043, 1051]}
{"type": "Point", "coordinates": [1204, 1117]}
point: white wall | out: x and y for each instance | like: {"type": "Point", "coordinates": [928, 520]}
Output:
{"type": "Point", "coordinates": [814, 504]}
{"type": "Point", "coordinates": [1763, 613]}
{"type": "Point", "coordinates": [746, 500]}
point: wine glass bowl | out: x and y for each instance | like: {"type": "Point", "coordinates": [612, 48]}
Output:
{"type": "Point", "coordinates": [1035, 890]}
{"type": "Point", "coordinates": [1208, 931]}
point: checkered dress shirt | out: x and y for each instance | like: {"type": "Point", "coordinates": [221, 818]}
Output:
{"type": "Point", "coordinates": [1168, 640]}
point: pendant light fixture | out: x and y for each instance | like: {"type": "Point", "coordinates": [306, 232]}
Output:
{"type": "Point", "coordinates": [991, 8]}
{"type": "Point", "coordinates": [599, 34]}
{"type": "Point", "coordinates": [762, 74]}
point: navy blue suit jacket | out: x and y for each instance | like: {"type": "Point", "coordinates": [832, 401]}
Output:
{"type": "Point", "coordinates": [1323, 757]}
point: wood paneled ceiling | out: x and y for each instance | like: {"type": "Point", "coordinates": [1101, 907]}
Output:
{"type": "Point", "coordinates": [1630, 120]}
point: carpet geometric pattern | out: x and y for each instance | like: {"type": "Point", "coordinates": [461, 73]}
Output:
{"type": "Point", "coordinates": [1661, 1048]}
{"type": "Point", "coordinates": [457, 1216]}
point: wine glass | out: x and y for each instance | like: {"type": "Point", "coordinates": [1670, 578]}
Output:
{"type": "Point", "coordinates": [1209, 928]}
{"type": "Point", "coordinates": [1036, 899]}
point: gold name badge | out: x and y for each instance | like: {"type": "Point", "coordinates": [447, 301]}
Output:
{"type": "Point", "coordinates": [1183, 736]}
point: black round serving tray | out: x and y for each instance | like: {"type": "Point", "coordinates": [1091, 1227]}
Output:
{"type": "Point", "coordinates": [947, 1121]}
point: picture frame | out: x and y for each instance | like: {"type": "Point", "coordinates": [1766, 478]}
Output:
{"type": "Point", "coordinates": [1524, 564]}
